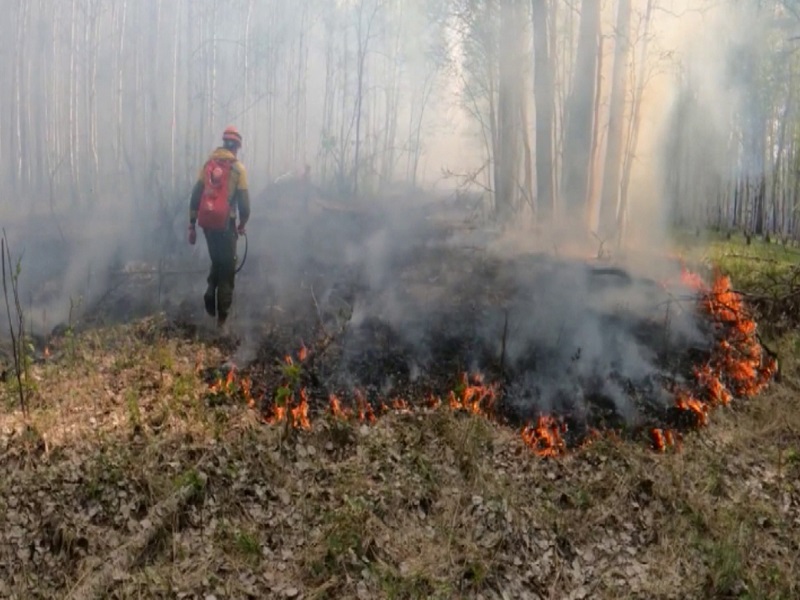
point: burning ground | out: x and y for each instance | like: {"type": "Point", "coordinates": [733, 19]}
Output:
{"type": "Point", "coordinates": [722, 359]}
{"type": "Point", "coordinates": [561, 349]}
{"type": "Point", "coordinates": [382, 433]}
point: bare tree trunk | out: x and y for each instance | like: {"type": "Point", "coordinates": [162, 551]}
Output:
{"type": "Point", "coordinates": [509, 102]}
{"type": "Point", "coordinates": [527, 162]}
{"type": "Point", "coordinates": [609, 198]}
{"type": "Point", "coordinates": [74, 139]}
{"type": "Point", "coordinates": [93, 49]}
{"type": "Point", "coordinates": [416, 151]}
{"type": "Point", "coordinates": [174, 99]}
{"type": "Point", "coordinates": [392, 94]}
{"type": "Point", "coordinates": [363, 33]}
{"type": "Point", "coordinates": [18, 85]}
{"type": "Point", "coordinates": [544, 101]}
{"type": "Point", "coordinates": [344, 136]}
{"type": "Point", "coordinates": [595, 179]}
{"type": "Point", "coordinates": [246, 62]}
{"type": "Point", "coordinates": [777, 185]}
{"type": "Point", "coordinates": [635, 120]}
{"type": "Point", "coordinates": [213, 110]}
{"type": "Point", "coordinates": [327, 145]}
{"type": "Point", "coordinates": [120, 80]}
{"type": "Point", "coordinates": [558, 95]}
{"type": "Point", "coordinates": [580, 115]}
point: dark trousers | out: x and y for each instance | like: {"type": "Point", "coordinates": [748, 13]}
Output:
{"type": "Point", "coordinates": [222, 250]}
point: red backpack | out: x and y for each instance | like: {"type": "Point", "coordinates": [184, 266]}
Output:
{"type": "Point", "coordinates": [214, 211]}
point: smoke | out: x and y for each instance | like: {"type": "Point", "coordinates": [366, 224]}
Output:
{"type": "Point", "coordinates": [411, 285]}
{"type": "Point", "coordinates": [413, 295]}
{"type": "Point", "coordinates": [704, 110]}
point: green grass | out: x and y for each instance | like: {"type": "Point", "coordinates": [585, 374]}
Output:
{"type": "Point", "coordinates": [751, 266]}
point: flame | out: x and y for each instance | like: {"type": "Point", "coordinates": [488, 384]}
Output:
{"type": "Point", "coordinates": [545, 437]}
{"type": "Point", "coordinates": [300, 412]}
{"type": "Point", "coordinates": [433, 402]}
{"type": "Point", "coordinates": [663, 439]}
{"type": "Point", "coordinates": [336, 408]}
{"type": "Point", "coordinates": [716, 390]}
{"type": "Point", "coordinates": [246, 386]}
{"type": "Point", "coordinates": [473, 396]}
{"type": "Point", "coordinates": [365, 412]}
{"type": "Point", "coordinates": [277, 414]}
{"type": "Point", "coordinates": [684, 401]}
{"type": "Point", "coordinates": [737, 366]}
{"type": "Point", "coordinates": [216, 387]}
{"type": "Point", "coordinates": [47, 351]}
{"type": "Point", "coordinates": [225, 386]}
{"type": "Point", "coordinates": [302, 354]}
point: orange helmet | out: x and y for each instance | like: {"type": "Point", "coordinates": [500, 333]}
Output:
{"type": "Point", "coordinates": [232, 134]}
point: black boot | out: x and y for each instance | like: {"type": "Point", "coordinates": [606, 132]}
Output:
{"type": "Point", "coordinates": [210, 300]}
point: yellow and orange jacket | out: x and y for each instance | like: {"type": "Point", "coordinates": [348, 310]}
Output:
{"type": "Point", "coordinates": [238, 195]}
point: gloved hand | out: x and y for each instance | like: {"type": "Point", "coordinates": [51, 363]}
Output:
{"type": "Point", "coordinates": [192, 234]}
{"type": "Point", "coordinates": [240, 229]}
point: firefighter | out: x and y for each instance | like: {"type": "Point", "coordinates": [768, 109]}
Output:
{"type": "Point", "coordinates": [221, 239]}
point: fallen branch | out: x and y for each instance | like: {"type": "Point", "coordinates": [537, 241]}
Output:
{"type": "Point", "coordinates": [95, 584]}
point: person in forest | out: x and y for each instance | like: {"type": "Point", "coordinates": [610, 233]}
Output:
{"type": "Point", "coordinates": [219, 193]}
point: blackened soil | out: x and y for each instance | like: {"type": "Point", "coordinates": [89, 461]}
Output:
{"type": "Point", "coordinates": [404, 313]}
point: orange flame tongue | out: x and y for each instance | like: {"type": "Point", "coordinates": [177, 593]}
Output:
{"type": "Point", "coordinates": [545, 437]}
{"type": "Point", "coordinates": [662, 439]}
{"type": "Point", "coordinates": [684, 401]}
{"type": "Point", "coordinates": [300, 412]}
{"type": "Point", "coordinates": [246, 385]}
{"type": "Point", "coordinates": [473, 397]}
{"type": "Point", "coordinates": [365, 412]}
{"type": "Point", "coordinates": [278, 414]}
{"type": "Point", "coordinates": [336, 408]}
